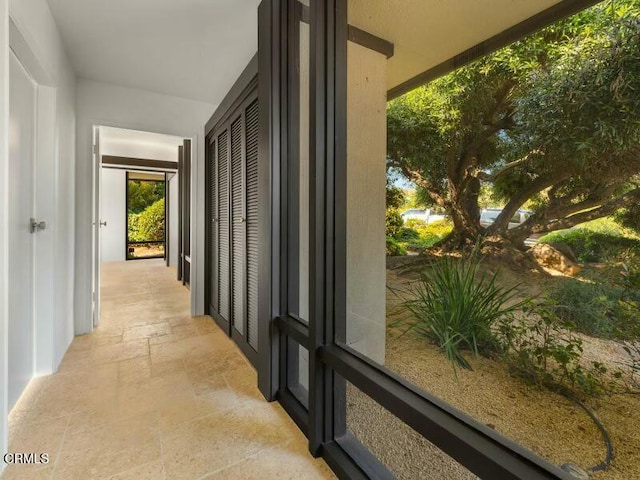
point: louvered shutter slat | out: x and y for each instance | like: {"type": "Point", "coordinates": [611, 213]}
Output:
{"type": "Point", "coordinates": [251, 137]}
{"type": "Point", "coordinates": [237, 245]}
{"type": "Point", "coordinates": [223, 225]}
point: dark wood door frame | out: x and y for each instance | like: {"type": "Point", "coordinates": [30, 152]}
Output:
{"type": "Point", "coordinates": [186, 214]}
{"type": "Point", "coordinates": [179, 265]}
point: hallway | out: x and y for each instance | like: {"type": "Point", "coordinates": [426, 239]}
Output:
{"type": "Point", "coordinates": [154, 394]}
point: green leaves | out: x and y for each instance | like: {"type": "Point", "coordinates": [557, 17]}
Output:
{"type": "Point", "coordinates": [544, 352]}
{"type": "Point", "coordinates": [147, 225]}
{"type": "Point", "coordinates": [570, 92]}
{"type": "Point", "coordinates": [456, 306]}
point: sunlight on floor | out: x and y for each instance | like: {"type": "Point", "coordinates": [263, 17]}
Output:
{"type": "Point", "coordinates": [154, 394]}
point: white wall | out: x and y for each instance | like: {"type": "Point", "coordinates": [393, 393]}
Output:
{"type": "Point", "coordinates": [39, 37]}
{"type": "Point", "coordinates": [115, 106]}
{"type": "Point", "coordinates": [113, 211]}
{"type": "Point", "coordinates": [366, 187]}
{"type": "Point", "coordinates": [132, 143]}
{"type": "Point", "coordinates": [4, 220]}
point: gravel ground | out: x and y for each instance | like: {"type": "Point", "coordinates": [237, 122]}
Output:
{"type": "Point", "coordinates": [546, 423]}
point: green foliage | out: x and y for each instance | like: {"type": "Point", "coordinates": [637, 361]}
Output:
{"type": "Point", "coordinates": [439, 228]}
{"type": "Point", "coordinates": [598, 309]}
{"type": "Point", "coordinates": [545, 353]}
{"type": "Point", "coordinates": [456, 306]}
{"type": "Point", "coordinates": [133, 228]}
{"type": "Point", "coordinates": [147, 225]}
{"type": "Point", "coordinates": [408, 234]}
{"type": "Point", "coordinates": [394, 222]}
{"type": "Point", "coordinates": [143, 193]}
{"type": "Point", "coordinates": [395, 197]}
{"type": "Point", "coordinates": [629, 218]}
{"type": "Point", "coordinates": [417, 235]}
{"type": "Point", "coordinates": [395, 248]}
{"type": "Point", "coordinates": [552, 121]}
{"type": "Point", "coordinates": [597, 241]}
{"type": "Point", "coordinates": [151, 222]}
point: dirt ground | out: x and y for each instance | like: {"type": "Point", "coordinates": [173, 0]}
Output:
{"type": "Point", "coordinates": [147, 251]}
{"type": "Point", "coordinates": [545, 422]}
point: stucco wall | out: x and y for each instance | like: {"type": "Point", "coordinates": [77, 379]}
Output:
{"type": "Point", "coordinates": [366, 198]}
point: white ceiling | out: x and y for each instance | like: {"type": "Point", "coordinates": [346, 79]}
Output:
{"type": "Point", "coordinates": [193, 49]}
{"type": "Point", "coordinates": [121, 142]}
{"type": "Point", "coordinates": [428, 32]}
{"type": "Point", "coordinates": [196, 49]}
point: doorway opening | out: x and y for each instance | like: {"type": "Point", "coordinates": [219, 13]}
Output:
{"type": "Point", "coordinates": [146, 215]}
{"type": "Point", "coordinates": [141, 211]}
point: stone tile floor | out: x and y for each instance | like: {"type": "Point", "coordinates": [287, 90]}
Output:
{"type": "Point", "coordinates": [154, 394]}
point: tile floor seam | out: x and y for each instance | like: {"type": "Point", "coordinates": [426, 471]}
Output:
{"type": "Point", "coordinates": [59, 454]}
{"type": "Point", "coordinates": [245, 458]}
{"type": "Point", "coordinates": [161, 438]}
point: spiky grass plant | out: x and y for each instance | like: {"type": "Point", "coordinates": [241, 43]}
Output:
{"type": "Point", "coordinates": [456, 306]}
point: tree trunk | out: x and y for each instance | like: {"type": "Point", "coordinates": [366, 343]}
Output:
{"type": "Point", "coordinates": [465, 215]}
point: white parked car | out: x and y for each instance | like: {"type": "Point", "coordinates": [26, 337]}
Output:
{"type": "Point", "coordinates": [489, 215]}
{"type": "Point", "coordinates": [427, 215]}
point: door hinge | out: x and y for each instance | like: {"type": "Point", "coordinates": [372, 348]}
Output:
{"type": "Point", "coordinates": [95, 149]}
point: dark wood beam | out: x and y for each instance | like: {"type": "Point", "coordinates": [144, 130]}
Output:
{"type": "Point", "coordinates": [370, 41]}
{"type": "Point", "coordinates": [138, 162]}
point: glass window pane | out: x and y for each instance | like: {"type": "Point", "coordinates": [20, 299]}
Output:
{"type": "Point", "coordinates": [402, 450]}
{"type": "Point", "coordinates": [520, 295]}
{"type": "Point", "coordinates": [299, 167]}
{"type": "Point", "coordinates": [145, 215]}
{"type": "Point", "coordinates": [298, 372]}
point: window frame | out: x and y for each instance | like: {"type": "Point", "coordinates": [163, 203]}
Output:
{"type": "Point", "coordinates": [480, 449]}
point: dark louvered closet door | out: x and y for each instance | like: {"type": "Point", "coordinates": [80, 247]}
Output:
{"type": "Point", "coordinates": [251, 136]}
{"type": "Point", "coordinates": [238, 224]}
{"type": "Point", "coordinates": [213, 235]}
{"type": "Point", "coordinates": [223, 272]}
{"type": "Point", "coordinates": [232, 179]}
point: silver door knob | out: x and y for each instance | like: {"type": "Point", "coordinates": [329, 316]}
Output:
{"type": "Point", "coordinates": [35, 226]}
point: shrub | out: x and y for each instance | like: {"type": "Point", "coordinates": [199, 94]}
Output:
{"type": "Point", "coordinates": [394, 222]}
{"type": "Point", "coordinates": [395, 248]}
{"type": "Point", "coordinates": [439, 228]}
{"type": "Point", "coordinates": [597, 241]}
{"type": "Point", "coordinates": [547, 355]}
{"type": "Point", "coordinates": [418, 235]}
{"type": "Point", "coordinates": [597, 309]}
{"type": "Point", "coordinates": [406, 234]}
{"type": "Point", "coordinates": [415, 224]}
{"type": "Point", "coordinates": [147, 225]}
{"type": "Point", "coordinates": [133, 227]}
{"type": "Point", "coordinates": [456, 307]}
{"type": "Point", "coordinates": [422, 243]}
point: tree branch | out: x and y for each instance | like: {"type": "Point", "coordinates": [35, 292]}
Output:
{"type": "Point", "coordinates": [536, 186]}
{"type": "Point", "coordinates": [603, 210]}
{"type": "Point", "coordinates": [424, 184]}
{"type": "Point", "coordinates": [491, 177]}
{"type": "Point", "coordinates": [545, 224]}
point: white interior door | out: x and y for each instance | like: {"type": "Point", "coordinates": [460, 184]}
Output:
{"type": "Point", "coordinates": [22, 138]}
{"type": "Point", "coordinates": [97, 224]}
